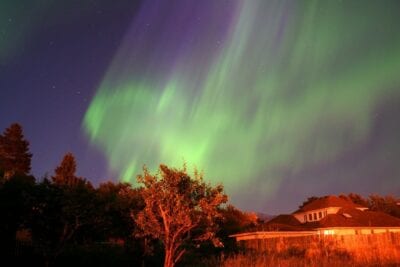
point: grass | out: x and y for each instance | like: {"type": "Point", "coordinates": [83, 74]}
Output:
{"type": "Point", "coordinates": [376, 250]}
{"type": "Point", "coordinates": [341, 259]}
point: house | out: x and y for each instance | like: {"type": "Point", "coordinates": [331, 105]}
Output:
{"type": "Point", "coordinates": [326, 216]}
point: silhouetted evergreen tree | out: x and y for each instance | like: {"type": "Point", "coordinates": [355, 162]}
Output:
{"type": "Point", "coordinates": [65, 172]}
{"type": "Point", "coordinates": [62, 209]}
{"type": "Point", "coordinates": [15, 158]}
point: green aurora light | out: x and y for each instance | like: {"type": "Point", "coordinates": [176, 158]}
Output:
{"type": "Point", "coordinates": [291, 84]}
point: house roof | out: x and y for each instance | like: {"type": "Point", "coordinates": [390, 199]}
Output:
{"type": "Point", "coordinates": [346, 217]}
{"type": "Point", "coordinates": [283, 222]}
{"type": "Point", "coordinates": [284, 219]}
{"type": "Point", "coordinates": [328, 201]}
{"type": "Point", "coordinates": [351, 217]}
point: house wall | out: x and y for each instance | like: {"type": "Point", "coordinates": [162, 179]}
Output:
{"type": "Point", "coordinates": [380, 231]}
{"type": "Point", "coordinates": [346, 231]}
{"type": "Point", "coordinates": [357, 230]}
{"type": "Point", "coordinates": [272, 234]}
{"type": "Point", "coordinates": [322, 232]}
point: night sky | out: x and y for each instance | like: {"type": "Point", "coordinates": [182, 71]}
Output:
{"type": "Point", "coordinates": [278, 100]}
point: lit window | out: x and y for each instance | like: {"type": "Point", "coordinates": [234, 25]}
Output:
{"type": "Point", "coordinates": [329, 232]}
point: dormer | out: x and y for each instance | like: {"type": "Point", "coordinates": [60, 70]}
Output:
{"type": "Point", "coordinates": [322, 207]}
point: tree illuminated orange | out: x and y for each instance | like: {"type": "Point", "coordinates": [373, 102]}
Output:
{"type": "Point", "coordinates": [179, 210]}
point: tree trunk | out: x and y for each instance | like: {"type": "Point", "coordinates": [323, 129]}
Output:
{"type": "Point", "coordinates": [168, 261]}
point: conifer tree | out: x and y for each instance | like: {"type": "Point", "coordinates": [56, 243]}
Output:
{"type": "Point", "coordinates": [15, 158]}
{"type": "Point", "coordinates": [65, 172]}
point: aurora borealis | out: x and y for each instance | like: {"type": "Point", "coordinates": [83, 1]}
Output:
{"type": "Point", "coordinates": [260, 87]}
{"type": "Point", "coordinates": [277, 100]}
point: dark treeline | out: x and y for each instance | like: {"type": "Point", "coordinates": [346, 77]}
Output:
{"type": "Point", "coordinates": [63, 220]}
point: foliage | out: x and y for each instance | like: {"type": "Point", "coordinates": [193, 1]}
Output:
{"type": "Point", "coordinates": [96, 255]}
{"type": "Point", "coordinates": [15, 158]}
{"type": "Point", "coordinates": [309, 200]}
{"type": "Point", "coordinates": [179, 210]}
{"type": "Point", "coordinates": [15, 207]}
{"type": "Point", "coordinates": [61, 209]}
{"type": "Point", "coordinates": [387, 204]}
{"type": "Point", "coordinates": [117, 202]}
{"type": "Point", "coordinates": [357, 199]}
{"type": "Point", "coordinates": [235, 220]}
{"type": "Point", "coordinates": [65, 172]}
